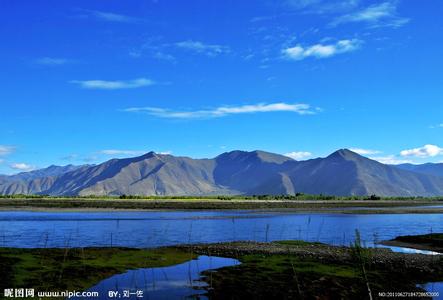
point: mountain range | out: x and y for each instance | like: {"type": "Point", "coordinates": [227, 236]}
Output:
{"type": "Point", "coordinates": [342, 173]}
{"type": "Point", "coordinates": [428, 168]}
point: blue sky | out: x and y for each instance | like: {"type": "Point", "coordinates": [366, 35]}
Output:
{"type": "Point", "coordinates": [85, 81]}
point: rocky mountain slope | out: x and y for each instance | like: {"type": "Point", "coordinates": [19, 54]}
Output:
{"type": "Point", "coordinates": [238, 172]}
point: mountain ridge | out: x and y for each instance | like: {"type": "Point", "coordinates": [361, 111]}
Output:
{"type": "Point", "coordinates": [342, 173]}
{"type": "Point", "coordinates": [427, 168]}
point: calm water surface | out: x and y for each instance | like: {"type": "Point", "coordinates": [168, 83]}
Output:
{"type": "Point", "coordinates": [434, 287]}
{"type": "Point", "coordinates": [181, 281]}
{"type": "Point", "coordinates": [162, 228]}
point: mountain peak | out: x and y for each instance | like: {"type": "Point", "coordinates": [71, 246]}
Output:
{"type": "Point", "coordinates": [256, 154]}
{"type": "Point", "coordinates": [271, 157]}
{"type": "Point", "coordinates": [148, 155]}
{"type": "Point", "coordinates": [345, 153]}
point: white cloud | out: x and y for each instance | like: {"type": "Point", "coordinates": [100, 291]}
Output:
{"type": "Point", "coordinates": [22, 167]}
{"type": "Point", "coordinates": [202, 48]}
{"type": "Point", "coordinates": [70, 157]}
{"type": "Point", "coordinates": [302, 3]}
{"type": "Point", "coordinates": [121, 152]}
{"type": "Point", "coordinates": [425, 151]}
{"type": "Point", "coordinates": [52, 61]}
{"type": "Point", "coordinates": [110, 17]}
{"type": "Point", "coordinates": [163, 56]}
{"type": "Point", "coordinates": [89, 159]}
{"type": "Point", "coordinates": [323, 6]}
{"type": "Point", "coordinates": [298, 155]}
{"type": "Point", "coordinates": [114, 85]}
{"type": "Point", "coordinates": [165, 152]}
{"type": "Point", "coordinates": [378, 15]}
{"type": "Point", "coordinates": [5, 150]}
{"type": "Point", "coordinates": [223, 111]}
{"type": "Point", "coordinates": [299, 52]}
{"type": "Point", "coordinates": [437, 126]}
{"type": "Point", "coordinates": [2, 161]}
{"type": "Point", "coordinates": [391, 160]}
{"type": "Point", "coordinates": [364, 151]}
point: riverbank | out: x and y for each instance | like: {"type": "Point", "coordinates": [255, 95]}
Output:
{"type": "Point", "coordinates": [430, 242]}
{"type": "Point", "coordinates": [283, 270]}
{"type": "Point", "coordinates": [294, 269]}
{"type": "Point", "coordinates": [336, 206]}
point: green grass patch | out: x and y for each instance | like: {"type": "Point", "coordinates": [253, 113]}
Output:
{"type": "Point", "coordinates": [77, 269]}
{"type": "Point", "coordinates": [285, 263]}
{"type": "Point", "coordinates": [285, 277]}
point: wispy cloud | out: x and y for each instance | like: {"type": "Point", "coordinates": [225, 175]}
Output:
{"type": "Point", "coordinates": [109, 16]}
{"type": "Point", "coordinates": [298, 155]}
{"type": "Point", "coordinates": [90, 159]}
{"type": "Point", "coordinates": [164, 56]}
{"type": "Point", "coordinates": [300, 52]}
{"type": "Point", "coordinates": [155, 47]}
{"type": "Point", "coordinates": [202, 48]}
{"type": "Point", "coordinates": [423, 152]}
{"type": "Point", "coordinates": [165, 152]}
{"type": "Point", "coordinates": [322, 6]}
{"type": "Point", "coordinates": [5, 150]}
{"type": "Point", "coordinates": [70, 157]}
{"type": "Point", "coordinates": [114, 85]}
{"type": "Point", "coordinates": [391, 160]}
{"type": "Point", "coordinates": [22, 167]}
{"type": "Point", "coordinates": [223, 111]}
{"type": "Point", "coordinates": [378, 15]}
{"type": "Point", "coordinates": [121, 152]}
{"type": "Point", "coordinates": [384, 159]}
{"type": "Point", "coordinates": [299, 4]}
{"type": "Point", "coordinates": [436, 126]}
{"type": "Point", "coordinates": [365, 151]}
{"type": "Point", "coordinates": [52, 61]}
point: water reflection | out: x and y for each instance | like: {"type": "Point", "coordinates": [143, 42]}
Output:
{"type": "Point", "coordinates": [174, 282]}
{"type": "Point", "coordinates": [410, 250]}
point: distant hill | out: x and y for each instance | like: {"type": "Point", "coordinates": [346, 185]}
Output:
{"type": "Point", "coordinates": [249, 171]}
{"type": "Point", "coordinates": [34, 182]}
{"type": "Point", "coordinates": [238, 172]}
{"type": "Point", "coordinates": [46, 172]}
{"type": "Point", "coordinates": [428, 168]}
{"type": "Point", "coordinates": [347, 173]}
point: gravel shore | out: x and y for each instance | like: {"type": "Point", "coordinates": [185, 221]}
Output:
{"type": "Point", "coordinates": [382, 257]}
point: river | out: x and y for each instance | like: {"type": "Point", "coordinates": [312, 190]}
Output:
{"type": "Point", "coordinates": [142, 229]}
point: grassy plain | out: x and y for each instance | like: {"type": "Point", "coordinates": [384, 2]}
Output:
{"type": "Point", "coordinates": [382, 205]}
